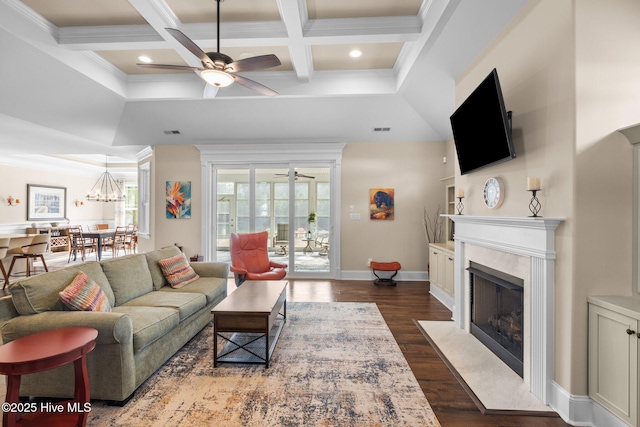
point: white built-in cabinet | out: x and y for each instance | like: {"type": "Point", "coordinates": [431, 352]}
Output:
{"type": "Point", "coordinates": [614, 338]}
{"type": "Point", "coordinates": [441, 272]}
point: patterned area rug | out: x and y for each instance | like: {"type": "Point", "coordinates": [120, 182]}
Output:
{"type": "Point", "coordinates": [335, 364]}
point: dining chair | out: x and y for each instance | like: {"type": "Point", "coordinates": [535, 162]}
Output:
{"type": "Point", "coordinates": [79, 243]}
{"type": "Point", "coordinates": [102, 226]}
{"type": "Point", "coordinates": [34, 250]}
{"type": "Point", "coordinates": [129, 241]}
{"type": "Point", "coordinates": [118, 242]}
{"type": "Point", "coordinates": [4, 247]}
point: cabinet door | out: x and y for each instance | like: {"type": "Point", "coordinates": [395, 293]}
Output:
{"type": "Point", "coordinates": [448, 273]}
{"type": "Point", "coordinates": [613, 362]}
{"type": "Point", "coordinates": [434, 265]}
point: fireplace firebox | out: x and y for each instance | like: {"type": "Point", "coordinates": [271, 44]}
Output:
{"type": "Point", "coordinates": [497, 301]}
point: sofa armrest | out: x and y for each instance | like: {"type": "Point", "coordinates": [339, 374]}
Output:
{"type": "Point", "coordinates": [7, 309]}
{"type": "Point", "coordinates": [211, 269]}
{"type": "Point", "coordinates": [113, 328]}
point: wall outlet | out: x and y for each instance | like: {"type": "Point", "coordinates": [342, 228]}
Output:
{"type": "Point", "coordinates": [369, 262]}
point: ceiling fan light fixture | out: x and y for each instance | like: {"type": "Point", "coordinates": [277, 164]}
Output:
{"type": "Point", "coordinates": [217, 78]}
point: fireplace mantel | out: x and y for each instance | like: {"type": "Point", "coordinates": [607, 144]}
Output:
{"type": "Point", "coordinates": [530, 237]}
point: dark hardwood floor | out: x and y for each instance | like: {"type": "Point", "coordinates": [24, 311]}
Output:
{"type": "Point", "coordinates": [400, 306]}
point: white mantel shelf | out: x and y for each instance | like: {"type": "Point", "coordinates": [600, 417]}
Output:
{"type": "Point", "coordinates": [532, 237]}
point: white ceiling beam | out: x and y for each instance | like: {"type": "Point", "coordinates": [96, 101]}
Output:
{"type": "Point", "coordinates": [294, 16]}
{"type": "Point", "coordinates": [159, 16]}
{"type": "Point", "coordinates": [240, 34]}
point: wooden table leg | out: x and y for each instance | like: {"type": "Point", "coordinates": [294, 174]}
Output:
{"type": "Point", "coordinates": [82, 389]}
{"type": "Point", "coordinates": [9, 418]}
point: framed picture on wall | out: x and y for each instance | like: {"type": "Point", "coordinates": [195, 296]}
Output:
{"type": "Point", "coordinates": [381, 201]}
{"type": "Point", "coordinates": [46, 202]}
{"type": "Point", "coordinates": [178, 199]}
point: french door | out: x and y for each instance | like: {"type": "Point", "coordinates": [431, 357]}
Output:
{"type": "Point", "coordinates": [294, 203]}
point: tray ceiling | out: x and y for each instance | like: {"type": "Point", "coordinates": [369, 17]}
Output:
{"type": "Point", "coordinates": [412, 50]}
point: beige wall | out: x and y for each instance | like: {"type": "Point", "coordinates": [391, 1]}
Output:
{"type": "Point", "coordinates": [175, 163]}
{"type": "Point", "coordinates": [566, 73]}
{"type": "Point", "coordinates": [607, 99]}
{"type": "Point", "coordinates": [414, 170]}
{"type": "Point", "coordinates": [14, 183]}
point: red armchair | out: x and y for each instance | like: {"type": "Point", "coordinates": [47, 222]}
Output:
{"type": "Point", "coordinates": [250, 260]}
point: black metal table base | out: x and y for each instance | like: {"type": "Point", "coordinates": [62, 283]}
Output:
{"type": "Point", "coordinates": [244, 347]}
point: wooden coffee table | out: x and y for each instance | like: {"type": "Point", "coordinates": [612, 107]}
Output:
{"type": "Point", "coordinates": [40, 352]}
{"type": "Point", "coordinates": [250, 320]}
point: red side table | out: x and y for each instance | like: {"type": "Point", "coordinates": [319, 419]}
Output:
{"type": "Point", "coordinates": [41, 352]}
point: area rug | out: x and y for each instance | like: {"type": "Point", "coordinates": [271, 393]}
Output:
{"type": "Point", "coordinates": [494, 387]}
{"type": "Point", "coordinates": [335, 364]}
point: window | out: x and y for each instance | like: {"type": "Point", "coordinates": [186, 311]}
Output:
{"type": "Point", "coordinates": [323, 196]}
{"type": "Point", "coordinates": [144, 199]}
{"type": "Point", "coordinates": [131, 204]}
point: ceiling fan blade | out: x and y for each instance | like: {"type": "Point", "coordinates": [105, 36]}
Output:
{"type": "Point", "coordinates": [306, 176]}
{"type": "Point", "coordinates": [190, 45]}
{"type": "Point", "coordinates": [248, 83]}
{"type": "Point", "coordinates": [254, 63]}
{"type": "Point", "coordinates": [210, 91]}
{"type": "Point", "coordinates": [171, 67]}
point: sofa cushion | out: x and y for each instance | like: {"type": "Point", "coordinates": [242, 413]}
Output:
{"type": "Point", "coordinates": [214, 288]}
{"type": "Point", "coordinates": [37, 294]}
{"type": "Point", "coordinates": [129, 277]}
{"type": "Point", "coordinates": [154, 268]}
{"type": "Point", "coordinates": [149, 323]}
{"type": "Point", "coordinates": [83, 294]}
{"type": "Point", "coordinates": [185, 303]}
{"type": "Point", "coordinates": [177, 271]}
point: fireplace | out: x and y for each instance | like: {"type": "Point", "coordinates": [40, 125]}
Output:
{"type": "Point", "coordinates": [524, 247]}
{"type": "Point", "coordinates": [497, 303]}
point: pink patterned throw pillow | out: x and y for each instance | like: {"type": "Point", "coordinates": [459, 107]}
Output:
{"type": "Point", "coordinates": [177, 271]}
{"type": "Point", "coordinates": [83, 294]}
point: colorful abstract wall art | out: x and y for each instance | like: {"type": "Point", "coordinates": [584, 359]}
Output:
{"type": "Point", "coordinates": [381, 201]}
{"type": "Point", "coordinates": [178, 199]}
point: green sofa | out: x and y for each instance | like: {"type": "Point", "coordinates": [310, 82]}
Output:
{"type": "Point", "coordinates": [149, 322]}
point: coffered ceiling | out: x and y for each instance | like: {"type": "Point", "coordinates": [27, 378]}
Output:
{"type": "Point", "coordinates": [70, 83]}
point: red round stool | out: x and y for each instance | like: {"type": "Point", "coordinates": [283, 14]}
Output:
{"type": "Point", "coordinates": [385, 266]}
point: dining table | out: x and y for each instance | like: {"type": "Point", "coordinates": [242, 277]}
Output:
{"type": "Point", "coordinates": [99, 235]}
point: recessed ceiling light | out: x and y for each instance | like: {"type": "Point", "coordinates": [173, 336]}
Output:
{"type": "Point", "coordinates": [355, 53]}
{"type": "Point", "coordinates": [145, 59]}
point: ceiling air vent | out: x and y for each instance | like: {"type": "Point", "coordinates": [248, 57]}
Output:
{"type": "Point", "coordinates": [381, 129]}
{"type": "Point", "coordinates": [172, 132]}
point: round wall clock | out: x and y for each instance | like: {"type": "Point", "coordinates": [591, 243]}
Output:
{"type": "Point", "coordinates": [493, 193]}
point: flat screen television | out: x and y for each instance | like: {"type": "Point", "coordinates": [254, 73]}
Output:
{"type": "Point", "coordinates": [482, 127]}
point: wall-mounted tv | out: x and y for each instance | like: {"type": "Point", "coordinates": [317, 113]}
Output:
{"type": "Point", "coordinates": [482, 127]}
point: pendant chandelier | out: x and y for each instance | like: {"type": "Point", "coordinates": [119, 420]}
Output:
{"type": "Point", "coordinates": [106, 189]}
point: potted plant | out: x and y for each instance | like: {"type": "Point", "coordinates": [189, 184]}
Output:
{"type": "Point", "coordinates": [312, 225]}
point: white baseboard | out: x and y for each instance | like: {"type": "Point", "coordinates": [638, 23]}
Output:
{"type": "Point", "coordinates": [441, 296]}
{"type": "Point", "coordinates": [581, 410]}
{"type": "Point", "coordinates": [406, 276]}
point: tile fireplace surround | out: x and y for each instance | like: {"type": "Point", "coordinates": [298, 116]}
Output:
{"type": "Point", "coordinates": [523, 247]}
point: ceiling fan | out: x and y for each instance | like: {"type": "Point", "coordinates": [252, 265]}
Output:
{"type": "Point", "coordinates": [296, 175]}
{"type": "Point", "coordinates": [219, 69]}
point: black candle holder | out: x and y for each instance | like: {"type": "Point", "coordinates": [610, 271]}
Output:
{"type": "Point", "coordinates": [534, 204]}
{"type": "Point", "coordinates": [460, 206]}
